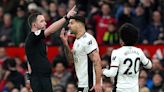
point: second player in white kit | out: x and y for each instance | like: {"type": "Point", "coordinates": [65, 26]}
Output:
{"type": "Point", "coordinates": [126, 61]}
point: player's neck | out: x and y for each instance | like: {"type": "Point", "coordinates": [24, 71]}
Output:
{"type": "Point", "coordinates": [80, 33]}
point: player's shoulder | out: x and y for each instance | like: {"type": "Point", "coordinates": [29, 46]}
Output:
{"type": "Point", "coordinates": [88, 36]}
{"type": "Point", "coordinates": [137, 49]}
{"type": "Point", "coordinates": [116, 51]}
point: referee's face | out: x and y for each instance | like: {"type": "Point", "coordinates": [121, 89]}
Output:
{"type": "Point", "coordinates": [40, 22]}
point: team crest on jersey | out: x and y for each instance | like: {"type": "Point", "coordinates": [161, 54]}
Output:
{"type": "Point", "coordinates": [114, 58]}
{"type": "Point", "coordinates": [90, 42]}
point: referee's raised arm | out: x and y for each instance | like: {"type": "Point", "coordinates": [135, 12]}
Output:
{"type": "Point", "coordinates": [58, 24]}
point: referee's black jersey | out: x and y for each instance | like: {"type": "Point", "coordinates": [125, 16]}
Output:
{"type": "Point", "coordinates": [35, 49]}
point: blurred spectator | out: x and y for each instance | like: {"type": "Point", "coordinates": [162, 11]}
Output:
{"type": "Point", "coordinates": [105, 63]}
{"type": "Point", "coordinates": [151, 4]}
{"type": "Point", "coordinates": [154, 30]}
{"type": "Point", "coordinates": [100, 22]}
{"type": "Point", "coordinates": [143, 80]}
{"type": "Point", "coordinates": [144, 89]}
{"type": "Point", "coordinates": [1, 16]}
{"type": "Point", "coordinates": [32, 8]}
{"type": "Point", "coordinates": [15, 77]}
{"type": "Point", "coordinates": [71, 87]}
{"type": "Point", "coordinates": [107, 85]}
{"type": "Point", "coordinates": [6, 31]}
{"type": "Point", "coordinates": [19, 66]}
{"type": "Point", "coordinates": [24, 89]}
{"type": "Point", "coordinates": [140, 20]}
{"type": "Point", "coordinates": [111, 37]}
{"type": "Point", "coordinates": [44, 5]}
{"type": "Point", "coordinates": [71, 3]}
{"type": "Point", "coordinates": [23, 3]}
{"type": "Point", "coordinates": [126, 15]}
{"type": "Point", "coordinates": [18, 33]}
{"type": "Point", "coordinates": [1, 72]}
{"type": "Point", "coordinates": [90, 30]}
{"type": "Point", "coordinates": [61, 12]}
{"type": "Point", "coordinates": [60, 57]}
{"type": "Point", "coordinates": [147, 53]}
{"type": "Point", "coordinates": [143, 74]}
{"type": "Point", "coordinates": [3, 55]}
{"type": "Point", "coordinates": [81, 11]}
{"type": "Point", "coordinates": [107, 54]}
{"type": "Point", "coordinates": [157, 83]}
{"type": "Point", "coordinates": [157, 68]}
{"type": "Point", "coordinates": [4, 80]}
{"type": "Point", "coordinates": [9, 6]}
{"type": "Point", "coordinates": [58, 88]}
{"type": "Point", "coordinates": [60, 75]}
{"type": "Point", "coordinates": [53, 10]}
{"type": "Point", "coordinates": [15, 90]}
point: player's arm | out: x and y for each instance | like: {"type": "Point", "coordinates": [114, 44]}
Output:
{"type": "Point", "coordinates": [95, 58]}
{"type": "Point", "coordinates": [58, 24]}
{"type": "Point", "coordinates": [67, 49]}
{"type": "Point", "coordinates": [91, 49]}
{"type": "Point", "coordinates": [145, 61]}
{"type": "Point", "coordinates": [112, 72]}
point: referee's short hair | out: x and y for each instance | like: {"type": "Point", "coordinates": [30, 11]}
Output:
{"type": "Point", "coordinates": [129, 34]}
{"type": "Point", "coordinates": [32, 18]}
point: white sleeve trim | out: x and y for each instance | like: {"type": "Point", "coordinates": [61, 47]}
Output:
{"type": "Point", "coordinates": [37, 32]}
{"type": "Point", "coordinates": [148, 65]}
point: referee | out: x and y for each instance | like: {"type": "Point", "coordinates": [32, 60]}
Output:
{"type": "Point", "coordinates": [35, 49]}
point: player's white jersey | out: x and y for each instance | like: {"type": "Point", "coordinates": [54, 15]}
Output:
{"type": "Point", "coordinates": [128, 60]}
{"type": "Point", "coordinates": [83, 66]}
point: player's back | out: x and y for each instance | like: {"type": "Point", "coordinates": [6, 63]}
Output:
{"type": "Point", "coordinates": [128, 70]}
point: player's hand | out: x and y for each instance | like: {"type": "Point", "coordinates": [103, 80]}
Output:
{"type": "Point", "coordinates": [97, 88]}
{"type": "Point", "coordinates": [64, 36]}
{"type": "Point", "coordinates": [72, 12]}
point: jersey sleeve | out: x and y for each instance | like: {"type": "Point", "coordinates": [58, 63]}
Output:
{"type": "Point", "coordinates": [38, 35]}
{"type": "Point", "coordinates": [112, 72]}
{"type": "Point", "coordinates": [145, 61]}
{"type": "Point", "coordinates": [91, 45]}
{"type": "Point", "coordinates": [114, 59]}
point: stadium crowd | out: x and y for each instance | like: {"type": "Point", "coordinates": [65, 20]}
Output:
{"type": "Point", "coordinates": [103, 18]}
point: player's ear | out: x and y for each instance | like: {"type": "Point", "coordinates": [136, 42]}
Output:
{"type": "Point", "coordinates": [33, 24]}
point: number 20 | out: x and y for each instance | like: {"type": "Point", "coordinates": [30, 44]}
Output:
{"type": "Point", "coordinates": [130, 65]}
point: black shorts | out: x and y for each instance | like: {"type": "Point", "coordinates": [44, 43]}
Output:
{"type": "Point", "coordinates": [41, 84]}
{"type": "Point", "coordinates": [84, 90]}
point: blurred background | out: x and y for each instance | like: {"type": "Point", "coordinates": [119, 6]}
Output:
{"type": "Point", "coordinates": [103, 18]}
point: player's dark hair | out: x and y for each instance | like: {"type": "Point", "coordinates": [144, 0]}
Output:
{"type": "Point", "coordinates": [129, 34]}
{"type": "Point", "coordinates": [32, 18]}
{"type": "Point", "coordinates": [79, 18]}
